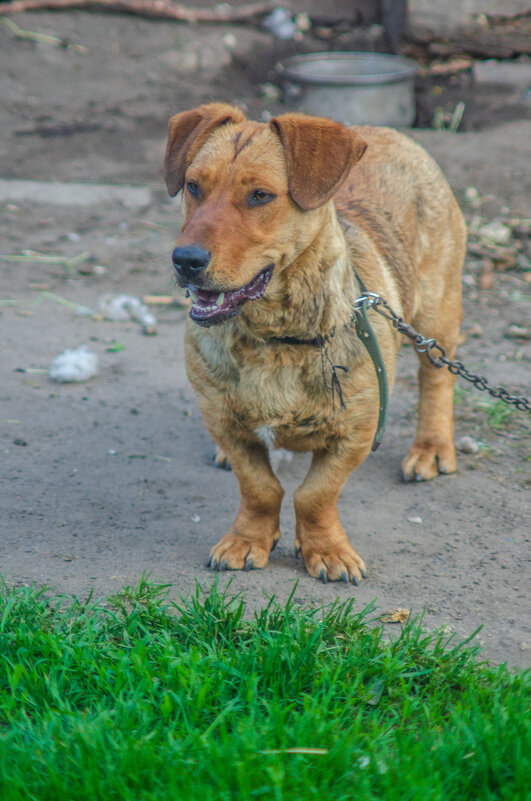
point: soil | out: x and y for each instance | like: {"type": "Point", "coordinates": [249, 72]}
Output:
{"type": "Point", "coordinates": [110, 479]}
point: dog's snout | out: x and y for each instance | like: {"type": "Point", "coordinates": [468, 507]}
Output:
{"type": "Point", "coordinates": [190, 261]}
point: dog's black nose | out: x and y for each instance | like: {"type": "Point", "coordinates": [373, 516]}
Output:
{"type": "Point", "coordinates": [190, 261]}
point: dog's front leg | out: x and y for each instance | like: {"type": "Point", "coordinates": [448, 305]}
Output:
{"type": "Point", "coordinates": [320, 537]}
{"type": "Point", "coordinates": [255, 532]}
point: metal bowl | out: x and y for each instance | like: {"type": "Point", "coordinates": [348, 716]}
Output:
{"type": "Point", "coordinates": [354, 88]}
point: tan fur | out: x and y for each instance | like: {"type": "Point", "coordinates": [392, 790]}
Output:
{"type": "Point", "coordinates": [393, 217]}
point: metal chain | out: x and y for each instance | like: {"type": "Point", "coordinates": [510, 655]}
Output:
{"type": "Point", "coordinates": [435, 352]}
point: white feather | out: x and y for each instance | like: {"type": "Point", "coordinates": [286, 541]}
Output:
{"type": "Point", "coordinates": [76, 364]}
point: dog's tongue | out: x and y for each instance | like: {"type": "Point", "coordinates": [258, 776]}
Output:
{"type": "Point", "coordinates": [209, 308]}
{"type": "Point", "coordinates": [205, 297]}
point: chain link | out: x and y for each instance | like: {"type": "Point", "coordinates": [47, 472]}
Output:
{"type": "Point", "coordinates": [436, 353]}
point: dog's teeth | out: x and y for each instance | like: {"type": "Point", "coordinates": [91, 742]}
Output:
{"type": "Point", "coordinates": [220, 298]}
{"type": "Point", "coordinates": [192, 293]}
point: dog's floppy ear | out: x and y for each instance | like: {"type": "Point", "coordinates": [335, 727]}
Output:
{"type": "Point", "coordinates": [319, 153]}
{"type": "Point", "coordinates": [186, 133]}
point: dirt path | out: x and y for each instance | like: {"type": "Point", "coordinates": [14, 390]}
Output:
{"type": "Point", "coordinates": [106, 480]}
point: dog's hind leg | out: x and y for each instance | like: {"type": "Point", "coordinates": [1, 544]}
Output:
{"type": "Point", "coordinates": [255, 532]}
{"type": "Point", "coordinates": [433, 450]}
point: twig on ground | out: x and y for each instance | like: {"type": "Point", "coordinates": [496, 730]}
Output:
{"type": "Point", "coordinates": [161, 9]}
{"type": "Point", "coordinates": [43, 38]}
{"type": "Point", "coordinates": [67, 261]}
{"type": "Point", "coordinates": [70, 304]}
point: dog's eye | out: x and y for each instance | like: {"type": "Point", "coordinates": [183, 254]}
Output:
{"type": "Point", "coordinates": [260, 197]}
{"type": "Point", "coordinates": [193, 188]}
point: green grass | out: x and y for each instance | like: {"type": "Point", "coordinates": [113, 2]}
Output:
{"type": "Point", "coordinates": [145, 699]}
{"type": "Point", "coordinates": [497, 413]}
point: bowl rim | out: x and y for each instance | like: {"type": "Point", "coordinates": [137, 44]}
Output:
{"type": "Point", "coordinates": [401, 69]}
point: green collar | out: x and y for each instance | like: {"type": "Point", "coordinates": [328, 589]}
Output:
{"type": "Point", "coordinates": [368, 337]}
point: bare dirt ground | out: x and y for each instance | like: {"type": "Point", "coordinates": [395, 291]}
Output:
{"type": "Point", "coordinates": [106, 480]}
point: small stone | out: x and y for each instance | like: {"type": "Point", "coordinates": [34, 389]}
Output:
{"type": "Point", "coordinates": [417, 520]}
{"type": "Point", "coordinates": [468, 445]}
{"type": "Point", "coordinates": [195, 518]}
{"type": "Point", "coordinates": [472, 195]}
{"type": "Point", "coordinates": [230, 41]}
{"type": "Point", "coordinates": [303, 22]}
{"type": "Point", "coordinates": [512, 74]}
{"type": "Point", "coordinates": [496, 232]}
{"type": "Point", "coordinates": [269, 92]}
{"type": "Point", "coordinates": [518, 331]}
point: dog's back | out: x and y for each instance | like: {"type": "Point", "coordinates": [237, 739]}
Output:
{"type": "Point", "coordinates": [399, 197]}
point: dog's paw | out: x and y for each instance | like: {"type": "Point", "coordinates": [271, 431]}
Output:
{"type": "Point", "coordinates": [427, 459]}
{"type": "Point", "coordinates": [340, 563]}
{"type": "Point", "coordinates": [241, 553]}
{"type": "Point", "coordinates": [221, 459]}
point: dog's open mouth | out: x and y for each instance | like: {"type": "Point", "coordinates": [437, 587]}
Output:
{"type": "Point", "coordinates": [210, 308]}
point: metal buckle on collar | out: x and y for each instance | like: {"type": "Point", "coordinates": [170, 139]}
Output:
{"type": "Point", "coordinates": [366, 300]}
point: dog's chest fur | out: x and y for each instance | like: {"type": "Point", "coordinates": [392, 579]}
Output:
{"type": "Point", "coordinates": [280, 394]}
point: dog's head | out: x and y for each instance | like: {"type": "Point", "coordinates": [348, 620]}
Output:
{"type": "Point", "coordinates": [252, 194]}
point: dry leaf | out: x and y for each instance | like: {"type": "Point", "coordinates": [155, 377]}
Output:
{"type": "Point", "coordinates": [395, 616]}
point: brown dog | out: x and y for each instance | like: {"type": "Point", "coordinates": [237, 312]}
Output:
{"type": "Point", "coordinates": [277, 217]}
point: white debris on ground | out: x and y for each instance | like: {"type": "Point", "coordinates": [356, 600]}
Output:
{"type": "Point", "coordinates": [468, 444]}
{"type": "Point", "coordinates": [127, 307]}
{"type": "Point", "coordinates": [496, 231]}
{"type": "Point", "coordinates": [281, 24]}
{"type": "Point", "coordinates": [76, 364]}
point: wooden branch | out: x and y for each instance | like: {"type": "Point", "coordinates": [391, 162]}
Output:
{"type": "Point", "coordinates": [488, 44]}
{"type": "Point", "coordinates": [158, 9]}
{"type": "Point", "coordinates": [501, 40]}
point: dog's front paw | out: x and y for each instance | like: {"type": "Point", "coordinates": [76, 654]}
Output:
{"type": "Point", "coordinates": [234, 552]}
{"type": "Point", "coordinates": [338, 563]}
{"type": "Point", "coordinates": [428, 458]}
